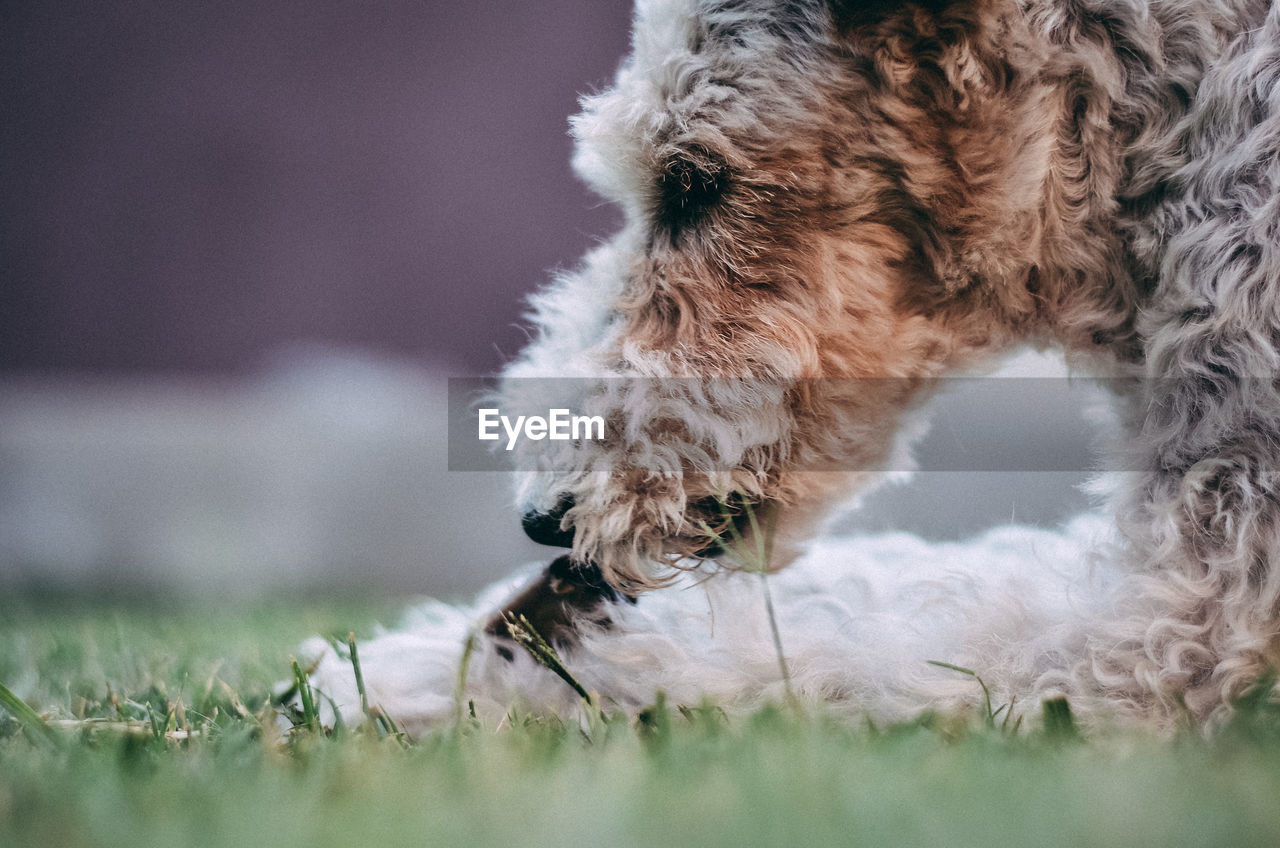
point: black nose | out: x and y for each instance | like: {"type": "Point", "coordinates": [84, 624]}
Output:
{"type": "Point", "coordinates": [544, 527]}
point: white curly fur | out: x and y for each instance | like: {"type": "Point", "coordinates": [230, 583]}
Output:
{"type": "Point", "coordinates": [859, 619]}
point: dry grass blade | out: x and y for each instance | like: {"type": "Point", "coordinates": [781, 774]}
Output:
{"type": "Point", "coordinates": [135, 727]}
{"type": "Point", "coordinates": [460, 685]}
{"type": "Point", "coordinates": [531, 640]}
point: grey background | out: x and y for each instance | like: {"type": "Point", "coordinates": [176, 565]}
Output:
{"type": "Point", "coordinates": [184, 187]}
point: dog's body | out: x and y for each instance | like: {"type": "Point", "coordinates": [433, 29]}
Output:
{"type": "Point", "coordinates": [831, 203]}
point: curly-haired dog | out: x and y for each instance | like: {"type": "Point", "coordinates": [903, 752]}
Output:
{"type": "Point", "coordinates": [818, 189]}
{"type": "Point", "coordinates": [831, 203]}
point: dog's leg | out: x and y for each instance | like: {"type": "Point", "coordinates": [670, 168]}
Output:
{"type": "Point", "coordinates": [1204, 518]}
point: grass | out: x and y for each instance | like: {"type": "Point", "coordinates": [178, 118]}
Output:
{"type": "Point", "coordinates": [756, 558]}
{"type": "Point", "coordinates": [164, 735]}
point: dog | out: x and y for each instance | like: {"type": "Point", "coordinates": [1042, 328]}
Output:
{"type": "Point", "coordinates": [830, 206]}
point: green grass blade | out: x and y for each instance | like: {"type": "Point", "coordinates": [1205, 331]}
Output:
{"type": "Point", "coordinates": [759, 564]}
{"type": "Point", "coordinates": [310, 715]}
{"type": "Point", "coordinates": [762, 563]}
{"type": "Point", "coordinates": [777, 640]}
{"type": "Point", "coordinates": [727, 514]}
{"type": "Point", "coordinates": [28, 717]}
{"type": "Point", "coordinates": [355, 664]}
{"type": "Point", "coordinates": [1059, 723]}
{"type": "Point", "coordinates": [387, 727]}
{"type": "Point", "coordinates": [991, 714]}
{"type": "Point", "coordinates": [1004, 725]}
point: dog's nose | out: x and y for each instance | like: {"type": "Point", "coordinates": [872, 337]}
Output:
{"type": "Point", "coordinates": [544, 527]}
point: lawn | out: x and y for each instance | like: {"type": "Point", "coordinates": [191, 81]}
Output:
{"type": "Point", "coordinates": [164, 735]}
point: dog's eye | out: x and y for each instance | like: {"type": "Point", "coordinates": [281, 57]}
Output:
{"type": "Point", "coordinates": [689, 183]}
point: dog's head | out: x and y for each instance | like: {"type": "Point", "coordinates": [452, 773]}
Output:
{"type": "Point", "coordinates": [826, 205]}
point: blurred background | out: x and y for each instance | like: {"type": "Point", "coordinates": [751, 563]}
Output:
{"type": "Point", "coordinates": [242, 246]}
